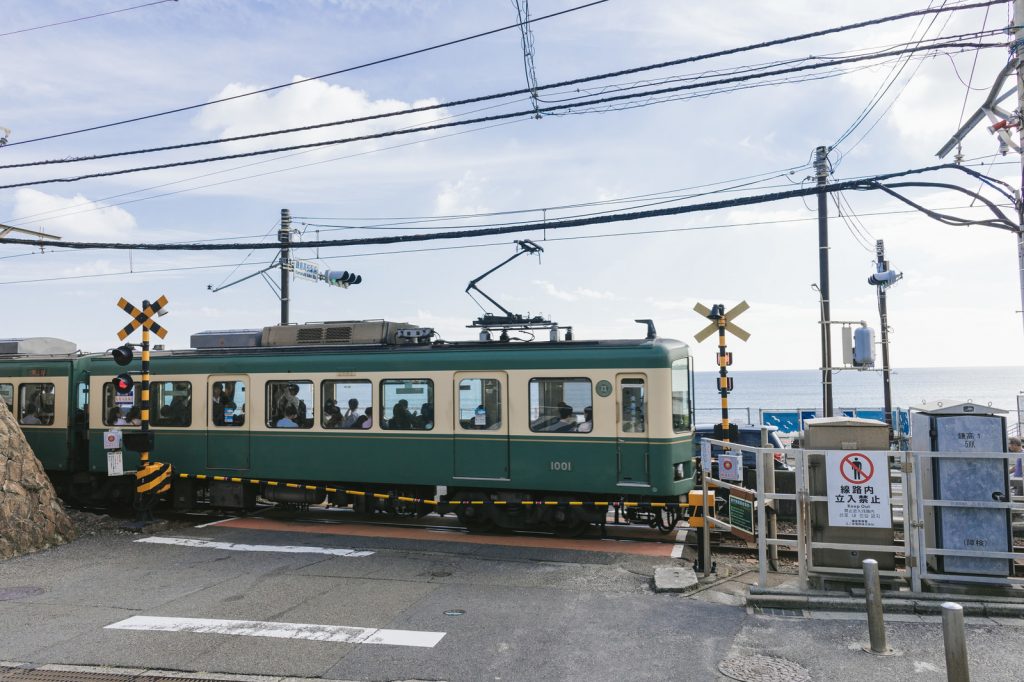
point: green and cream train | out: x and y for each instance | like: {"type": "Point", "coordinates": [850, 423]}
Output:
{"type": "Point", "coordinates": [375, 407]}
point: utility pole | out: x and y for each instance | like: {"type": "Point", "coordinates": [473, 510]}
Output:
{"type": "Point", "coordinates": [284, 235]}
{"type": "Point", "coordinates": [821, 173]}
{"type": "Point", "coordinates": [883, 314]}
{"type": "Point", "coordinates": [1003, 123]}
{"type": "Point", "coordinates": [1018, 37]}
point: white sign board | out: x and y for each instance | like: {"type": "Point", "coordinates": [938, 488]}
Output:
{"type": "Point", "coordinates": [730, 467]}
{"type": "Point", "coordinates": [126, 399]}
{"type": "Point", "coordinates": [115, 463]}
{"type": "Point", "coordinates": [705, 456]}
{"type": "Point", "coordinates": [112, 440]}
{"type": "Point", "coordinates": [304, 269]}
{"type": "Point", "coordinates": [858, 489]}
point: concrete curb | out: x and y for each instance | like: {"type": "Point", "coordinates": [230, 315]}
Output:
{"type": "Point", "coordinates": [917, 604]}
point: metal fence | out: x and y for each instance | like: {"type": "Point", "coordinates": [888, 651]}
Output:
{"type": "Point", "coordinates": [790, 420]}
{"type": "Point", "coordinates": [917, 518]}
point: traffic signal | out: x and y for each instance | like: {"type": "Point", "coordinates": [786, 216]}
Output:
{"type": "Point", "coordinates": [123, 384]}
{"type": "Point", "coordinates": [122, 354]}
{"type": "Point", "coordinates": [342, 278]}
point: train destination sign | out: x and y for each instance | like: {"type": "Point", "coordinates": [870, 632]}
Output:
{"type": "Point", "coordinates": [858, 489]}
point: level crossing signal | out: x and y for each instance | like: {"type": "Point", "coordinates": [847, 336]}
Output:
{"type": "Point", "coordinates": [142, 318]}
{"type": "Point", "coordinates": [123, 384]}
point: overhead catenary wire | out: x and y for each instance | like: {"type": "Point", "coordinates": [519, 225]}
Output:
{"type": "Point", "coordinates": [280, 86]}
{"type": "Point", "coordinates": [496, 117]}
{"type": "Point", "coordinates": [873, 182]}
{"type": "Point", "coordinates": [77, 19]}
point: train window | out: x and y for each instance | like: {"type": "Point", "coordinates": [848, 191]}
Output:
{"type": "Point", "coordinates": [561, 405]}
{"type": "Point", "coordinates": [290, 404]}
{"type": "Point", "coordinates": [7, 395]}
{"type": "Point", "coordinates": [36, 404]}
{"type": "Point", "coordinates": [633, 406]}
{"type": "Point", "coordinates": [347, 404]}
{"type": "Point", "coordinates": [227, 403]}
{"type": "Point", "coordinates": [82, 403]}
{"type": "Point", "coordinates": [480, 404]}
{"type": "Point", "coordinates": [170, 403]}
{"type": "Point", "coordinates": [407, 404]}
{"type": "Point", "coordinates": [122, 410]}
{"type": "Point", "coordinates": [681, 395]}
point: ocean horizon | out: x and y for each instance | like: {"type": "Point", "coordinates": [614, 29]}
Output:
{"type": "Point", "coordinates": [997, 387]}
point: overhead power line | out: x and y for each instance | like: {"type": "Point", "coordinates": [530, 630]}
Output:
{"type": "Point", "coordinates": [873, 182]}
{"type": "Point", "coordinates": [450, 247]}
{"type": "Point", "coordinates": [364, 65]}
{"type": "Point", "coordinates": [91, 16]}
{"type": "Point", "coordinates": [531, 91]}
{"type": "Point", "coordinates": [497, 117]}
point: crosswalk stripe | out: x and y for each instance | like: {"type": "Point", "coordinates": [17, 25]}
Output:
{"type": "Point", "coordinates": [256, 628]}
{"type": "Point", "coordinates": [241, 547]}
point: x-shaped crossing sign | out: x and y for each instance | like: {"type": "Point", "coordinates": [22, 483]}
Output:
{"type": "Point", "coordinates": [729, 315]}
{"type": "Point", "coordinates": [142, 318]}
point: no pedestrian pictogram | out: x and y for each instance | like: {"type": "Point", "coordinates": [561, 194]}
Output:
{"type": "Point", "coordinates": [856, 468]}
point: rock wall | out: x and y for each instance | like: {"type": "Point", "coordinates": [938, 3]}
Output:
{"type": "Point", "coordinates": [31, 515]}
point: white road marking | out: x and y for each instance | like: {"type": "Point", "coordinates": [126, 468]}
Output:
{"type": "Point", "coordinates": [238, 547]}
{"type": "Point", "coordinates": [677, 551]}
{"type": "Point", "coordinates": [214, 523]}
{"type": "Point", "coordinates": [256, 628]}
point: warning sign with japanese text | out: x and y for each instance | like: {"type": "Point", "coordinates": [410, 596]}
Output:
{"type": "Point", "coordinates": [858, 489]}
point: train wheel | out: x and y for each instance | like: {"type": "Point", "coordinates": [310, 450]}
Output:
{"type": "Point", "coordinates": [565, 523]}
{"type": "Point", "coordinates": [475, 517]}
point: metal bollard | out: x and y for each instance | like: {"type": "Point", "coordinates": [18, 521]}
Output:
{"type": "Point", "coordinates": [955, 643]}
{"type": "Point", "coordinates": [873, 597]}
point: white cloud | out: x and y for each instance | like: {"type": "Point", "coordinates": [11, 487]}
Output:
{"type": "Point", "coordinates": [39, 208]}
{"type": "Point", "coordinates": [463, 196]}
{"type": "Point", "coordinates": [306, 104]}
{"type": "Point", "coordinates": [577, 293]}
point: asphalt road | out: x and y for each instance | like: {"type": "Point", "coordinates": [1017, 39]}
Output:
{"type": "Point", "coordinates": [506, 612]}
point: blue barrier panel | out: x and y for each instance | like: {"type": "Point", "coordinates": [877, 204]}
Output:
{"type": "Point", "coordinates": [786, 422]}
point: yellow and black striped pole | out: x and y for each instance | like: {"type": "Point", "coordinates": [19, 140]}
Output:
{"type": "Point", "coordinates": [723, 374]}
{"type": "Point", "coordinates": [152, 479]}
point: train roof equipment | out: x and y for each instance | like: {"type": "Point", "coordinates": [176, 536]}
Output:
{"type": "Point", "coordinates": [511, 321]}
{"type": "Point", "coordinates": [333, 333]}
{"type": "Point", "coordinates": [37, 345]}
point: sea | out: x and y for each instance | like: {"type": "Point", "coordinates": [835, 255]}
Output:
{"type": "Point", "coordinates": [801, 389]}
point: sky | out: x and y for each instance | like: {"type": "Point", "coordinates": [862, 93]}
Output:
{"type": "Point", "coordinates": [957, 304]}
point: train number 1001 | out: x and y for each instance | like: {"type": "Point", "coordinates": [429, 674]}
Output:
{"type": "Point", "coordinates": [561, 466]}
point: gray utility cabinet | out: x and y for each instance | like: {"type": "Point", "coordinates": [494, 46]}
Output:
{"type": "Point", "coordinates": [844, 433]}
{"type": "Point", "coordinates": [975, 430]}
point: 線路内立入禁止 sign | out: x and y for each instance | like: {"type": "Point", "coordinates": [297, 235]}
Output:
{"type": "Point", "coordinates": [858, 489]}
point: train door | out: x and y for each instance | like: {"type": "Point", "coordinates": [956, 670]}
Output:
{"type": "Point", "coordinates": [481, 425]}
{"type": "Point", "coordinates": [227, 434]}
{"type": "Point", "coordinates": [631, 429]}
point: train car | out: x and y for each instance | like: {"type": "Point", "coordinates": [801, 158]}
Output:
{"type": "Point", "coordinates": [43, 387]}
{"type": "Point", "coordinates": [379, 408]}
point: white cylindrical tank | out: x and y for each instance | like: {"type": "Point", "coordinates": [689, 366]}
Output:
{"type": "Point", "coordinates": [864, 347]}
